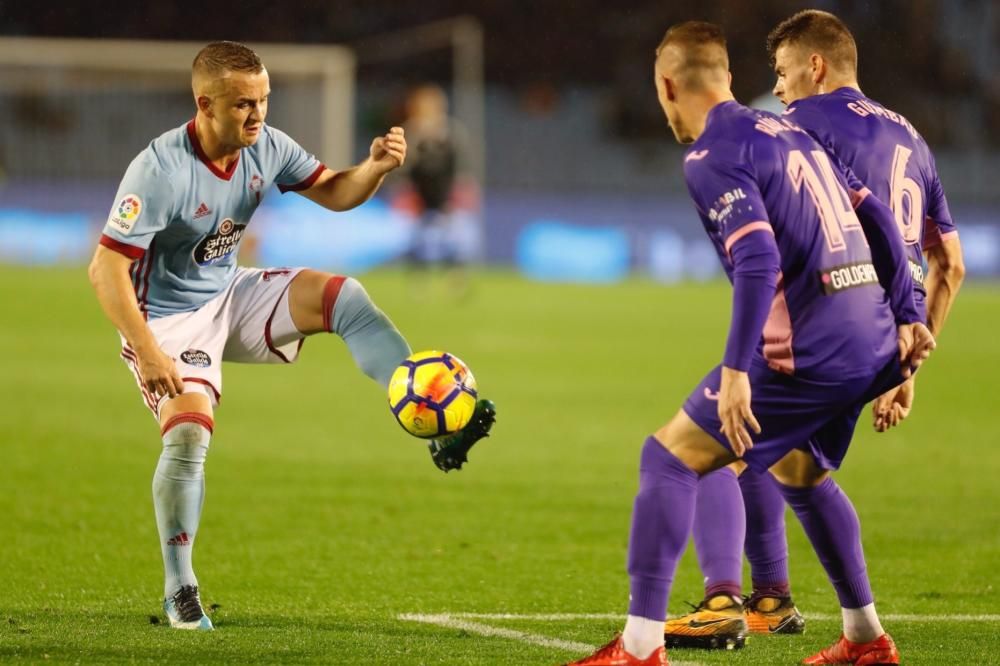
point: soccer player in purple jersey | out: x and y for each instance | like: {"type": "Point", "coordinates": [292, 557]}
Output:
{"type": "Point", "coordinates": [816, 64]}
{"type": "Point", "coordinates": [166, 276]}
{"type": "Point", "coordinates": [815, 61]}
{"type": "Point", "coordinates": [823, 321]}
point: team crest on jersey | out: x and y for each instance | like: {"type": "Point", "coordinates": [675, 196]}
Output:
{"type": "Point", "coordinates": [216, 247]}
{"type": "Point", "coordinates": [196, 357]}
{"type": "Point", "coordinates": [124, 215]}
{"type": "Point", "coordinates": [256, 185]}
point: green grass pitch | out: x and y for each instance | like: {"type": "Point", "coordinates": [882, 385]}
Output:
{"type": "Point", "coordinates": [324, 522]}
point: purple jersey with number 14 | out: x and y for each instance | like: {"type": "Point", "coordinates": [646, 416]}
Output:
{"type": "Point", "coordinates": [753, 172]}
{"type": "Point", "coordinates": [888, 155]}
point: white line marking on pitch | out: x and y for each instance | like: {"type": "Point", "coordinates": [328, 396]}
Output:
{"type": "Point", "coordinates": [456, 621]}
{"type": "Point", "coordinates": [904, 617]}
{"type": "Point", "coordinates": [486, 630]}
{"type": "Point", "coordinates": [464, 621]}
{"type": "Point", "coordinates": [568, 617]}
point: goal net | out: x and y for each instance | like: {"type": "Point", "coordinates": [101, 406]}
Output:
{"type": "Point", "coordinates": [78, 110]}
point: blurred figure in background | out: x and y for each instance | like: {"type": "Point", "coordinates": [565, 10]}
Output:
{"type": "Point", "coordinates": [434, 176]}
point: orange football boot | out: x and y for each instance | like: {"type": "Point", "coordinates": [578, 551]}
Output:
{"type": "Point", "coordinates": [614, 654]}
{"type": "Point", "coordinates": [773, 615]}
{"type": "Point", "coordinates": [717, 623]}
{"type": "Point", "coordinates": [879, 651]}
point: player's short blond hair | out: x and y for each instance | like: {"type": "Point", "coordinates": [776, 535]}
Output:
{"type": "Point", "coordinates": [702, 50]}
{"type": "Point", "coordinates": [820, 32]}
{"type": "Point", "coordinates": [219, 57]}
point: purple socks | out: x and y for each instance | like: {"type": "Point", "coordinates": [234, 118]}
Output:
{"type": "Point", "coordinates": [665, 507]}
{"type": "Point", "coordinates": [719, 525]}
{"type": "Point", "coordinates": [832, 526]}
{"type": "Point", "coordinates": [661, 522]}
{"type": "Point", "coordinates": [766, 545]}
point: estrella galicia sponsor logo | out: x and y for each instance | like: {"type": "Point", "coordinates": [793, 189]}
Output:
{"type": "Point", "coordinates": [196, 357]}
{"type": "Point", "coordinates": [216, 247]}
{"type": "Point", "coordinates": [847, 276]}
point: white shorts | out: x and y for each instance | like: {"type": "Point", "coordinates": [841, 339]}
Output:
{"type": "Point", "coordinates": [249, 322]}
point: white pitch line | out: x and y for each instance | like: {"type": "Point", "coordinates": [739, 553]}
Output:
{"type": "Point", "coordinates": [541, 617]}
{"type": "Point", "coordinates": [568, 617]}
{"type": "Point", "coordinates": [904, 617]}
{"type": "Point", "coordinates": [455, 622]}
{"type": "Point", "coordinates": [486, 630]}
{"type": "Point", "coordinates": [464, 622]}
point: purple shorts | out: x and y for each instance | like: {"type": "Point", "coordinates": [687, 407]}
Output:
{"type": "Point", "coordinates": [795, 413]}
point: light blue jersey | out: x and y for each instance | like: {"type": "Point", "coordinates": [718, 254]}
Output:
{"type": "Point", "coordinates": [182, 218]}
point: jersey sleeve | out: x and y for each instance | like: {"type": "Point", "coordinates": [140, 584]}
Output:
{"type": "Point", "coordinates": [297, 169]}
{"type": "Point", "coordinates": [726, 193]}
{"type": "Point", "coordinates": [939, 225]}
{"type": "Point", "coordinates": [728, 196]}
{"type": "Point", "coordinates": [143, 207]}
{"type": "Point", "coordinates": [888, 257]}
{"type": "Point", "coordinates": [857, 191]}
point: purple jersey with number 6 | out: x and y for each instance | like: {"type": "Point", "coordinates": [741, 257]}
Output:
{"type": "Point", "coordinates": [888, 155]}
{"type": "Point", "coordinates": [754, 172]}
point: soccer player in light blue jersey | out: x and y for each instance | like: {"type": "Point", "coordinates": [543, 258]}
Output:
{"type": "Point", "coordinates": [823, 320]}
{"type": "Point", "coordinates": [166, 276]}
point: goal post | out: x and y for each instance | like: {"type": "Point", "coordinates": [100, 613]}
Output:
{"type": "Point", "coordinates": [64, 103]}
{"type": "Point", "coordinates": [462, 36]}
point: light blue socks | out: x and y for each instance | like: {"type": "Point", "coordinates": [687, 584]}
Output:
{"type": "Point", "coordinates": [178, 494]}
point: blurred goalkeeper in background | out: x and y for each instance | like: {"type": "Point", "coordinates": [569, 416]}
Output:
{"type": "Point", "coordinates": [166, 276]}
{"type": "Point", "coordinates": [434, 171]}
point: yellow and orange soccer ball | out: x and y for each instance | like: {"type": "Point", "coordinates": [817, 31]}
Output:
{"type": "Point", "coordinates": [432, 394]}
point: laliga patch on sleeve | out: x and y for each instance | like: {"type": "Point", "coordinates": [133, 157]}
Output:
{"type": "Point", "coordinates": [125, 213]}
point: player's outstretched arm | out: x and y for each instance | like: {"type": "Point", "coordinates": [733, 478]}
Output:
{"type": "Point", "coordinates": [109, 276]}
{"type": "Point", "coordinates": [344, 190]}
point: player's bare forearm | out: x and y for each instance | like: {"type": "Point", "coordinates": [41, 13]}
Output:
{"type": "Point", "coordinates": [344, 190]}
{"type": "Point", "coordinates": [108, 273]}
{"type": "Point", "coordinates": [945, 273]}
{"type": "Point", "coordinates": [109, 276]}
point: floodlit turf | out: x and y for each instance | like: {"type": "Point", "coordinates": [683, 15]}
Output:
{"type": "Point", "coordinates": [324, 522]}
